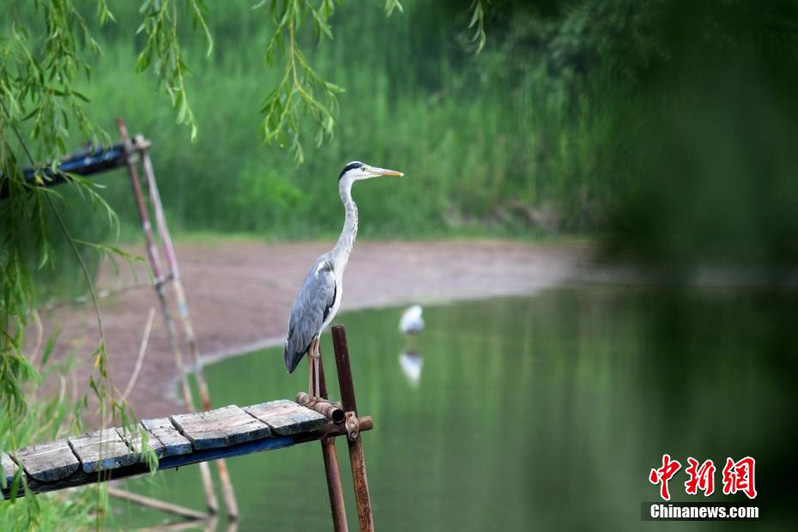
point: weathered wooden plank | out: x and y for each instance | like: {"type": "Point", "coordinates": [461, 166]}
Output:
{"type": "Point", "coordinates": [55, 466]}
{"type": "Point", "coordinates": [242, 449]}
{"type": "Point", "coordinates": [171, 462]}
{"type": "Point", "coordinates": [102, 450]}
{"type": "Point", "coordinates": [9, 468]}
{"type": "Point", "coordinates": [220, 428]}
{"type": "Point", "coordinates": [287, 418]}
{"type": "Point", "coordinates": [48, 462]}
{"type": "Point", "coordinates": [163, 430]}
{"type": "Point", "coordinates": [134, 439]}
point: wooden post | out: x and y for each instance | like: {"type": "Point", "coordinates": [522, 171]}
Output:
{"type": "Point", "coordinates": [185, 318]}
{"type": "Point", "coordinates": [155, 264]}
{"type": "Point", "coordinates": [356, 457]}
{"type": "Point", "coordinates": [331, 469]}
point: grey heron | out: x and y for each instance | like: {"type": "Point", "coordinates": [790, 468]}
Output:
{"type": "Point", "coordinates": [319, 298]}
{"type": "Point", "coordinates": [412, 322]}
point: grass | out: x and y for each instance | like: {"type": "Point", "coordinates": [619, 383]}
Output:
{"type": "Point", "coordinates": [464, 134]}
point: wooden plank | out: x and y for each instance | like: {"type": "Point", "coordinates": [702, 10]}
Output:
{"type": "Point", "coordinates": [48, 462]}
{"type": "Point", "coordinates": [287, 418]}
{"type": "Point", "coordinates": [134, 438]}
{"type": "Point", "coordinates": [9, 470]}
{"type": "Point", "coordinates": [220, 428]}
{"type": "Point", "coordinates": [242, 449]}
{"type": "Point", "coordinates": [102, 450]}
{"type": "Point", "coordinates": [54, 466]}
{"type": "Point", "coordinates": [174, 443]}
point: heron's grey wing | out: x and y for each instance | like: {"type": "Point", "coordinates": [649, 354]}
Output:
{"type": "Point", "coordinates": [311, 307]}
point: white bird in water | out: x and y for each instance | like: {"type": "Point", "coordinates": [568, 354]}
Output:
{"type": "Point", "coordinates": [412, 322]}
{"type": "Point", "coordinates": [319, 298]}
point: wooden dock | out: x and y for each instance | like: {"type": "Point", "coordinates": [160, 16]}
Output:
{"type": "Point", "coordinates": [176, 440]}
{"type": "Point", "coordinates": [196, 438]}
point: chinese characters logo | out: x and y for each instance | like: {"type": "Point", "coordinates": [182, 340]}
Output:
{"type": "Point", "coordinates": [738, 476]}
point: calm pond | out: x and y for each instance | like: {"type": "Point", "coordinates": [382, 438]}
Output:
{"type": "Point", "coordinates": [536, 413]}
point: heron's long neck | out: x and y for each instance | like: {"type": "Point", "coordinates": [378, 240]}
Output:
{"type": "Point", "coordinates": [342, 249]}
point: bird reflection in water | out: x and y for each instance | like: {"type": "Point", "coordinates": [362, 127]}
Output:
{"type": "Point", "coordinates": [411, 362]}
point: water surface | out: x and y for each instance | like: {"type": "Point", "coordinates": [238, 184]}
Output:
{"type": "Point", "coordinates": [531, 413]}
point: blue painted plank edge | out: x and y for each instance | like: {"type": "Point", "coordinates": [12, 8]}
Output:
{"type": "Point", "coordinates": [204, 455]}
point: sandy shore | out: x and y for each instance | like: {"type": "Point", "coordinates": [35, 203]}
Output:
{"type": "Point", "coordinates": [240, 294]}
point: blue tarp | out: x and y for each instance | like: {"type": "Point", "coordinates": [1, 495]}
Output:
{"type": "Point", "coordinates": [89, 161]}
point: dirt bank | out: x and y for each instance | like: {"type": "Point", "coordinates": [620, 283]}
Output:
{"type": "Point", "coordinates": [240, 294]}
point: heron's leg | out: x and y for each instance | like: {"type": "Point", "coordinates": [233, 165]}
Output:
{"type": "Point", "coordinates": [316, 358]}
{"type": "Point", "coordinates": [310, 367]}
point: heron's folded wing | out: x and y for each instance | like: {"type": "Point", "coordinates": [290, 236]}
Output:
{"type": "Point", "coordinates": [311, 306]}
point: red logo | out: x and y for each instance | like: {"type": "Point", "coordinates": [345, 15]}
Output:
{"type": "Point", "coordinates": [701, 478]}
{"type": "Point", "coordinates": [737, 476]}
{"type": "Point", "coordinates": [664, 474]}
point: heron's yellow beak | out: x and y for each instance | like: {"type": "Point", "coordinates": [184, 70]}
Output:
{"type": "Point", "coordinates": [386, 172]}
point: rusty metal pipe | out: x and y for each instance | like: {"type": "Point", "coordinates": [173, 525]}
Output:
{"type": "Point", "coordinates": [357, 459]}
{"type": "Point", "coordinates": [344, 369]}
{"type": "Point", "coordinates": [331, 411]}
{"type": "Point", "coordinates": [334, 488]}
{"type": "Point", "coordinates": [364, 424]}
{"type": "Point", "coordinates": [331, 469]}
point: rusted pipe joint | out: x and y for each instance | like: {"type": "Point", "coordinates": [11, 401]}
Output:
{"type": "Point", "coordinates": [328, 409]}
{"type": "Point", "coordinates": [352, 425]}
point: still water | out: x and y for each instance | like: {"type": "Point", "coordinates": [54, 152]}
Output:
{"type": "Point", "coordinates": [540, 413]}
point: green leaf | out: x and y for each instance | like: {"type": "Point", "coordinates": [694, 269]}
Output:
{"type": "Point", "coordinates": [80, 96]}
{"type": "Point", "coordinates": [49, 345]}
{"type": "Point", "coordinates": [143, 60]}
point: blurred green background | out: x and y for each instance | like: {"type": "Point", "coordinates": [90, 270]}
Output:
{"type": "Point", "coordinates": [667, 127]}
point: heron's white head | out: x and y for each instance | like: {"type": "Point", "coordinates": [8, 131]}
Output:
{"type": "Point", "coordinates": [355, 171]}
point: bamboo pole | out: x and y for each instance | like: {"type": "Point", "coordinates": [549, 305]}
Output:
{"type": "Point", "coordinates": [155, 264]}
{"type": "Point", "coordinates": [185, 319]}
{"type": "Point", "coordinates": [155, 504]}
{"type": "Point", "coordinates": [356, 456]}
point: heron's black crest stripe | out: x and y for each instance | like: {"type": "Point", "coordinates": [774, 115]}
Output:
{"type": "Point", "coordinates": [350, 166]}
